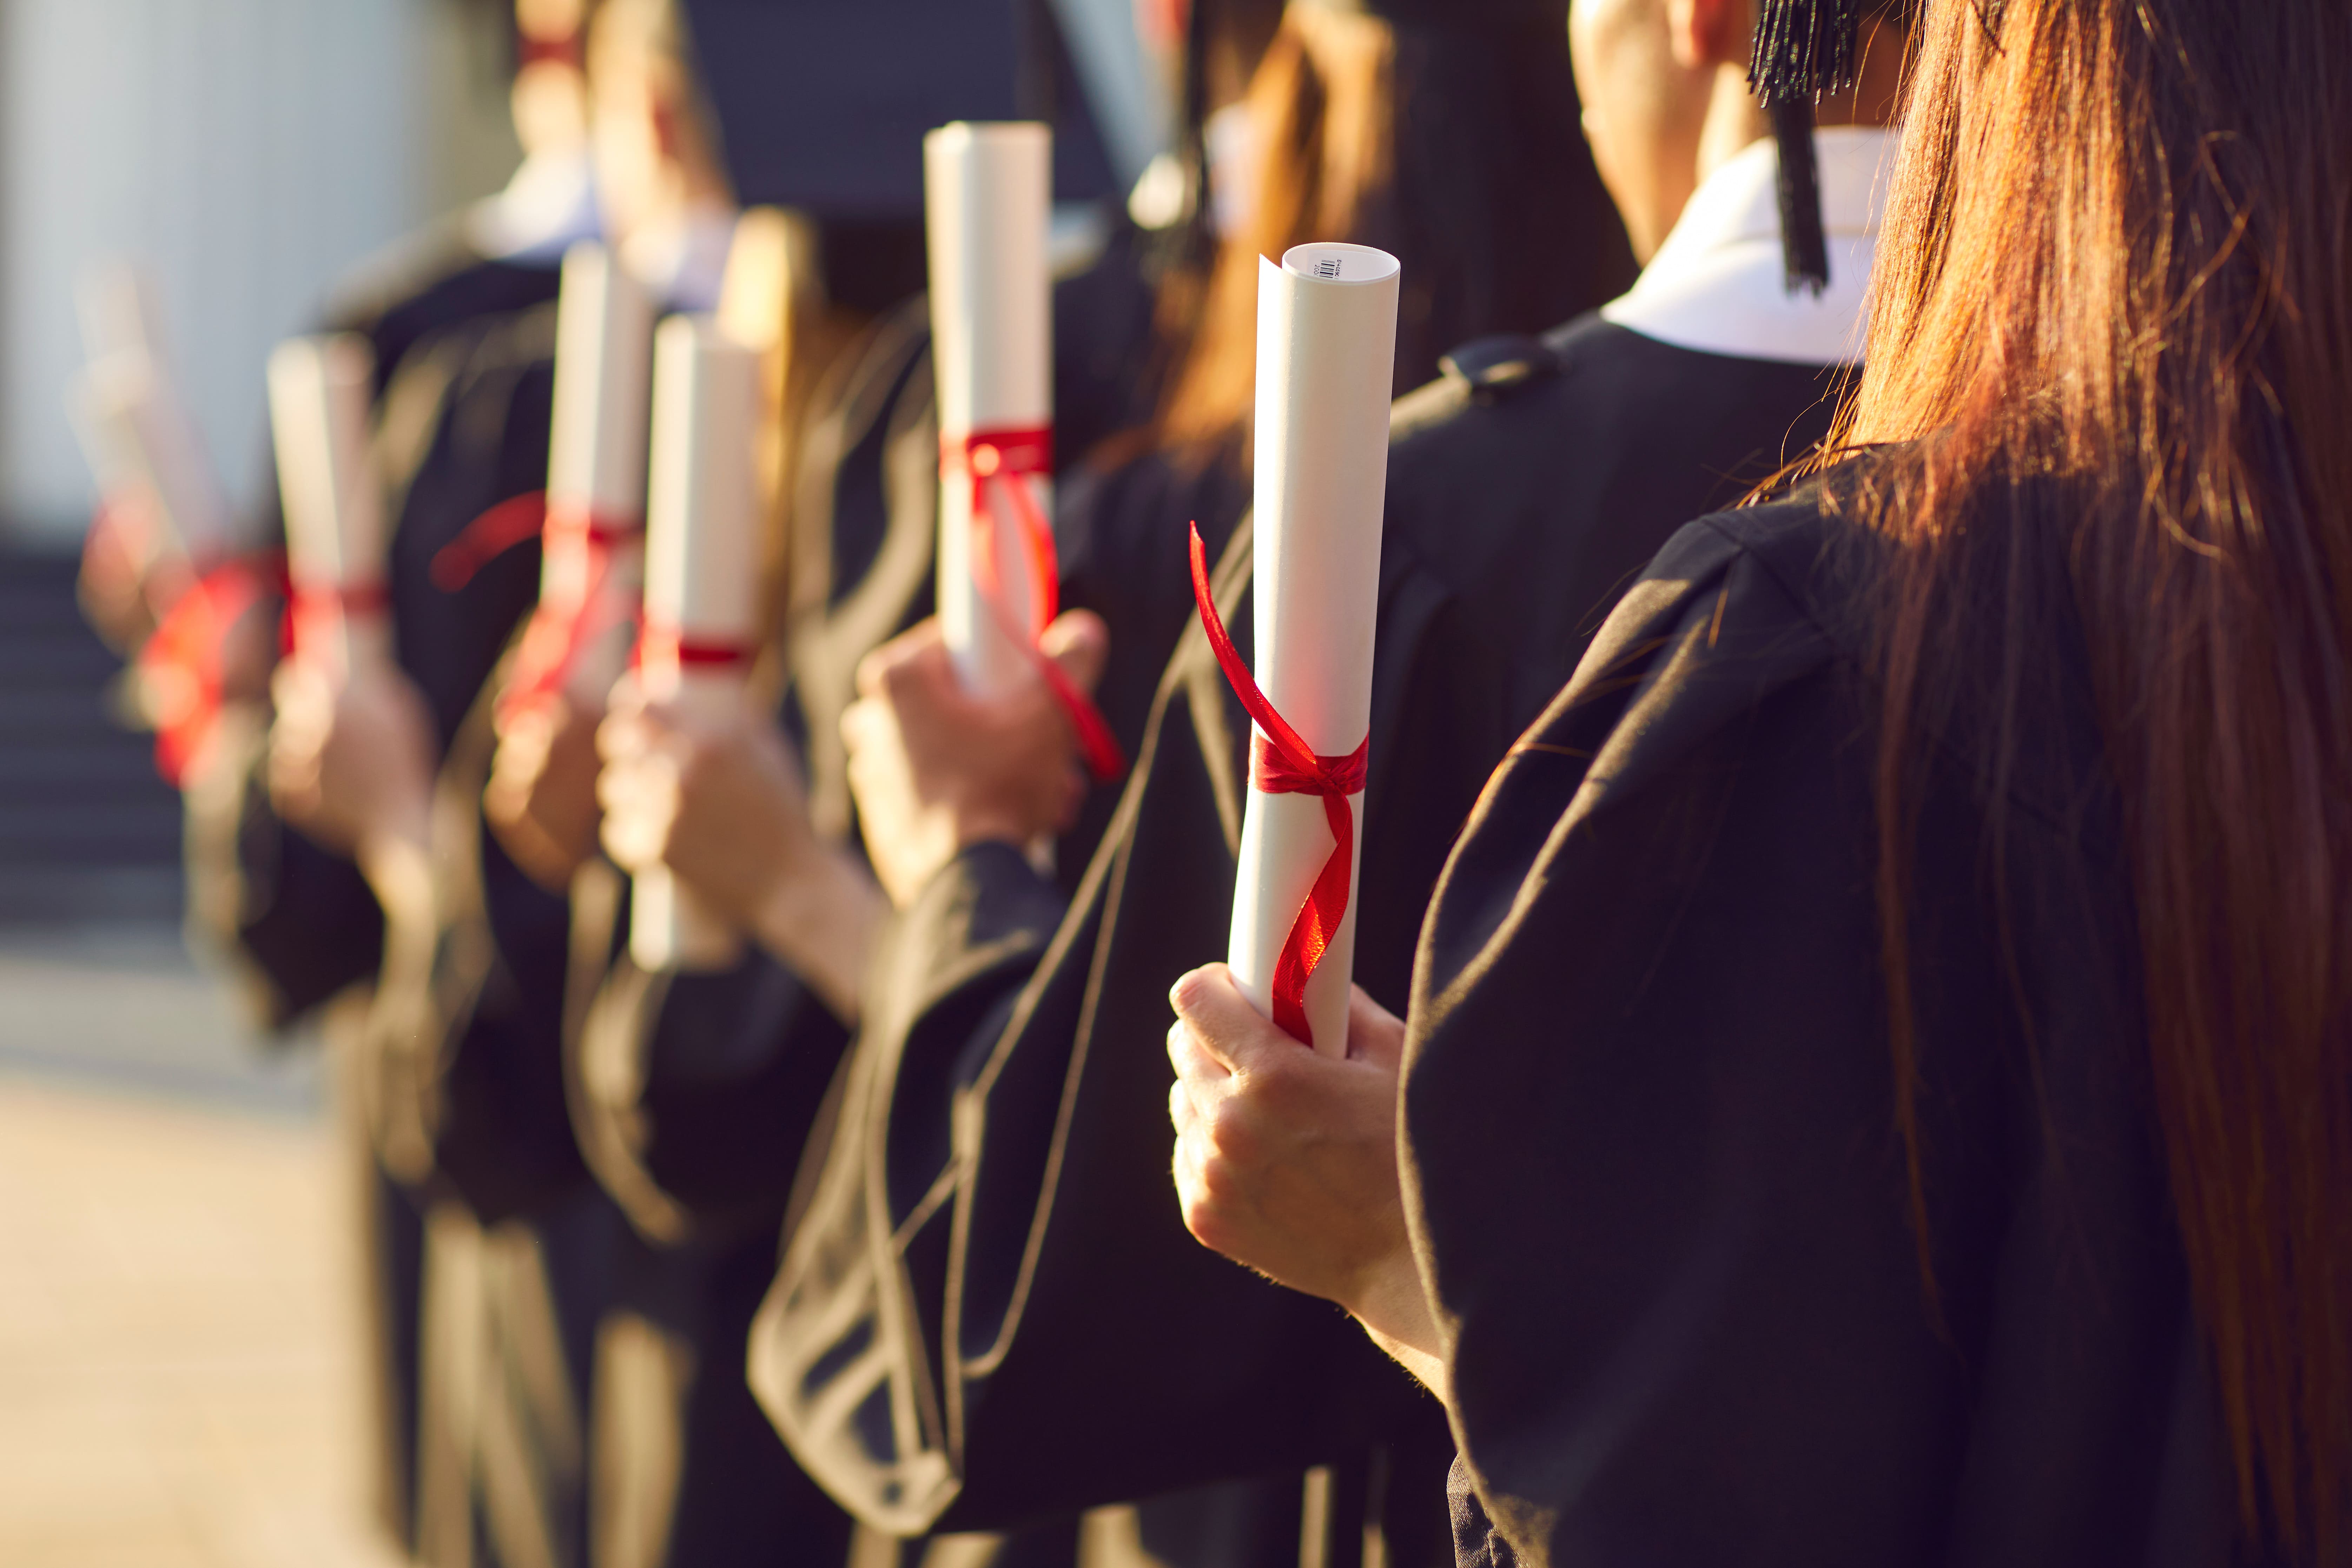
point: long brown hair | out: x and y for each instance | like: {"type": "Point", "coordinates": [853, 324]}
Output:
{"type": "Point", "coordinates": [2116, 277]}
{"type": "Point", "coordinates": [1458, 151]}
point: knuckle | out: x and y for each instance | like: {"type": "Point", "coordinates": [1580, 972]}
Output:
{"type": "Point", "coordinates": [1231, 1134]}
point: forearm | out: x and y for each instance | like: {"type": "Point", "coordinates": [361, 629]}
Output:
{"type": "Point", "coordinates": [823, 919]}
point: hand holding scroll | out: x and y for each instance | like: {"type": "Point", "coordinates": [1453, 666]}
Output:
{"type": "Point", "coordinates": [351, 760]}
{"type": "Point", "coordinates": [1287, 1159]}
{"type": "Point", "coordinates": [717, 800]}
{"type": "Point", "coordinates": [720, 804]}
{"type": "Point", "coordinates": [938, 767]}
{"type": "Point", "coordinates": [542, 796]}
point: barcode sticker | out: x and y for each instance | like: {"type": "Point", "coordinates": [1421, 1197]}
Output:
{"type": "Point", "coordinates": [1327, 267]}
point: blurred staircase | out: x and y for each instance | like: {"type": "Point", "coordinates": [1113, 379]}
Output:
{"type": "Point", "coordinates": [88, 832]}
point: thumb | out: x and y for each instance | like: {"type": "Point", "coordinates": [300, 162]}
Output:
{"type": "Point", "coordinates": [1213, 1007]}
{"type": "Point", "coordinates": [1079, 642]}
{"type": "Point", "coordinates": [876, 669]}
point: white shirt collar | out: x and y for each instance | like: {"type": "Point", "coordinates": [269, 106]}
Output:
{"type": "Point", "coordinates": [1717, 285]}
{"type": "Point", "coordinates": [684, 262]}
{"type": "Point", "coordinates": [549, 204]}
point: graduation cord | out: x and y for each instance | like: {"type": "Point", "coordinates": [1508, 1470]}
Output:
{"type": "Point", "coordinates": [1000, 463]}
{"type": "Point", "coordinates": [1281, 762]}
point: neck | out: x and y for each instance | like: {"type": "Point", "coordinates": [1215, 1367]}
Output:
{"type": "Point", "coordinates": [1734, 123]}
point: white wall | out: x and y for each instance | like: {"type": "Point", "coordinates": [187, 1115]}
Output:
{"type": "Point", "coordinates": [248, 151]}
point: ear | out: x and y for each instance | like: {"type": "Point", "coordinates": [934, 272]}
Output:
{"type": "Point", "coordinates": [663, 116]}
{"type": "Point", "coordinates": [1709, 33]}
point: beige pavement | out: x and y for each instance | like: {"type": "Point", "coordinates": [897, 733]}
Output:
{"type": "Point", "coordinates": [179, 1384]}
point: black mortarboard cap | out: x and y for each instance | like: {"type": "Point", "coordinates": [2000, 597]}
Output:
{"type": "Point", "coordinates": [1803, 49]}
{"type": "Point", "coordinates": [1505, 19]}
{"type": "Point", "coordinates": [822, 104]}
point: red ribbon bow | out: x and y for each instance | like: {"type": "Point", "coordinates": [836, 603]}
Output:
{"type": "Point", "coordinates": [997, 462]}
{"type": "Point", "coordinates": [1281, 762]}
{"type": "Point", "coordinates": [182, 664]}
{"type": "Point", "coordinates": [557, 633]}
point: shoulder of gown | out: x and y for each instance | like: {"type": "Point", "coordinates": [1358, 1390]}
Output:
{"type": "Point", "coordinates": [1649, 1110]}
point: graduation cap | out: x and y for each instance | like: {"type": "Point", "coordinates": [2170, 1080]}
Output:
{"type": "Point", "coordinates": [1803, 49]}
{"type": "Point", "coordinates": [1498, 17]}
{"type": "Point", "coordinates": [822, 104]}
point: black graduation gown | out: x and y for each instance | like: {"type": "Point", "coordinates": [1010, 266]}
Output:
{"type": "Point", "coordinates": [298, 922]}
{"type": "Point", "coordinates": [990, 1309]}
{"type": "Point", "coordinates": [459, 1058]}
{"type": "Point", "coordinates": [1649, 1121]}
{"type": "Point", "coordinates": [693, 1093]}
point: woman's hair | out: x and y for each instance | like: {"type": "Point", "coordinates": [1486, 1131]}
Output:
{"type": "Point", "coordinates": [1459, 150]}
{"type": "Point", "coordinates": [2113, 318]}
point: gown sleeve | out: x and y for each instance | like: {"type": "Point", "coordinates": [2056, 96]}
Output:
{"type": "Point", "coordinates": [1649, 982]}
{"type": "Point", "coordinates": [990, 1310]}
{"type": "Point", "coordinates": [691, 1093]}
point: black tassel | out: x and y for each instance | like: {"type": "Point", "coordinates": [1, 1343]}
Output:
{"type": "Point", "coordinates": [1192, 147]}
{"type": "Point", "coordinates": [1804, 247]}
{"type": "Point", "coordinates": [1803, 49]}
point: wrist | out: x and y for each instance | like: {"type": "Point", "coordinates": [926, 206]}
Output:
{"type": "Point", "coordinates": [974, 827]}
{"type": "Point", "coordinates": [822, 919]}
{"type": "Point", "coordinates": [1391, 1303]}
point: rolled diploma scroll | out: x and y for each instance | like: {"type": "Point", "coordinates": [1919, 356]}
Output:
{"type": "Point", "coordinates": [120, 309]}
{"type": "Point", "coordinates": [596, 454]}
{"type": "Point", "coordinates": [987, 195]}
{"type": "Point", "coordinates": [701, 607]}
{"type": "Point", "coordinates": [134, 427]}
{"type": "Point", "coordinates": [1326, 358]}
{"type": "Point", "coordinates": [321, 390]}
{"type": "Point", "coordinates": [139, 440]}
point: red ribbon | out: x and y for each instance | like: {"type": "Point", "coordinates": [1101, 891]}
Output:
{"type": "Point", "coordinates": [181, 665]}
{"type": "Point", "coordinates": [558, 632]}
{"type": "Point", "coordinates": [562, 49]}
{"type": "Point", "coordinates": [660, 645]}
{"type": "Point", "coordinates": [1281, 762]}
{"type": "Point", "coordinates": [998, 463]}
{"type": "Point", "coordinates": [314, 607]}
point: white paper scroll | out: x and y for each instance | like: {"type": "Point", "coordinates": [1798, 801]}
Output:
{"type": "Point", "coordinates": [987, 200]}
{"type": "Point", "coordinates": [1326, 358]}
{"type": "Point", "coordinates": [142, 443]}
{"type": "Point", "coordinates": [120, 311]}
{"type": "Point", "coordinates": [321, 391]}
{"type": "Point", "coordinates": [702, 579]}
{"type": "Point", "coordinates": [596, 452]}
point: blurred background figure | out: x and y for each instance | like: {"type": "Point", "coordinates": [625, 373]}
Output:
{"type": "Point", "coordinates": [257, 162]}
{"type": "Point", "coordinates": [410, 170]}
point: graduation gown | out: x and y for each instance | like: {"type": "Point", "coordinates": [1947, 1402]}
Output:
{"type": "Point", "coordinates": [693, 1093]}
{"type": "Point", "coordinates": [491, 1248]}
{"type": "Point", "coordinates": [990, 1309]}
{"type": "Point", "coordinates": [1648, 1118]}
{"type": "Point", "coordinates": [297, 923]}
